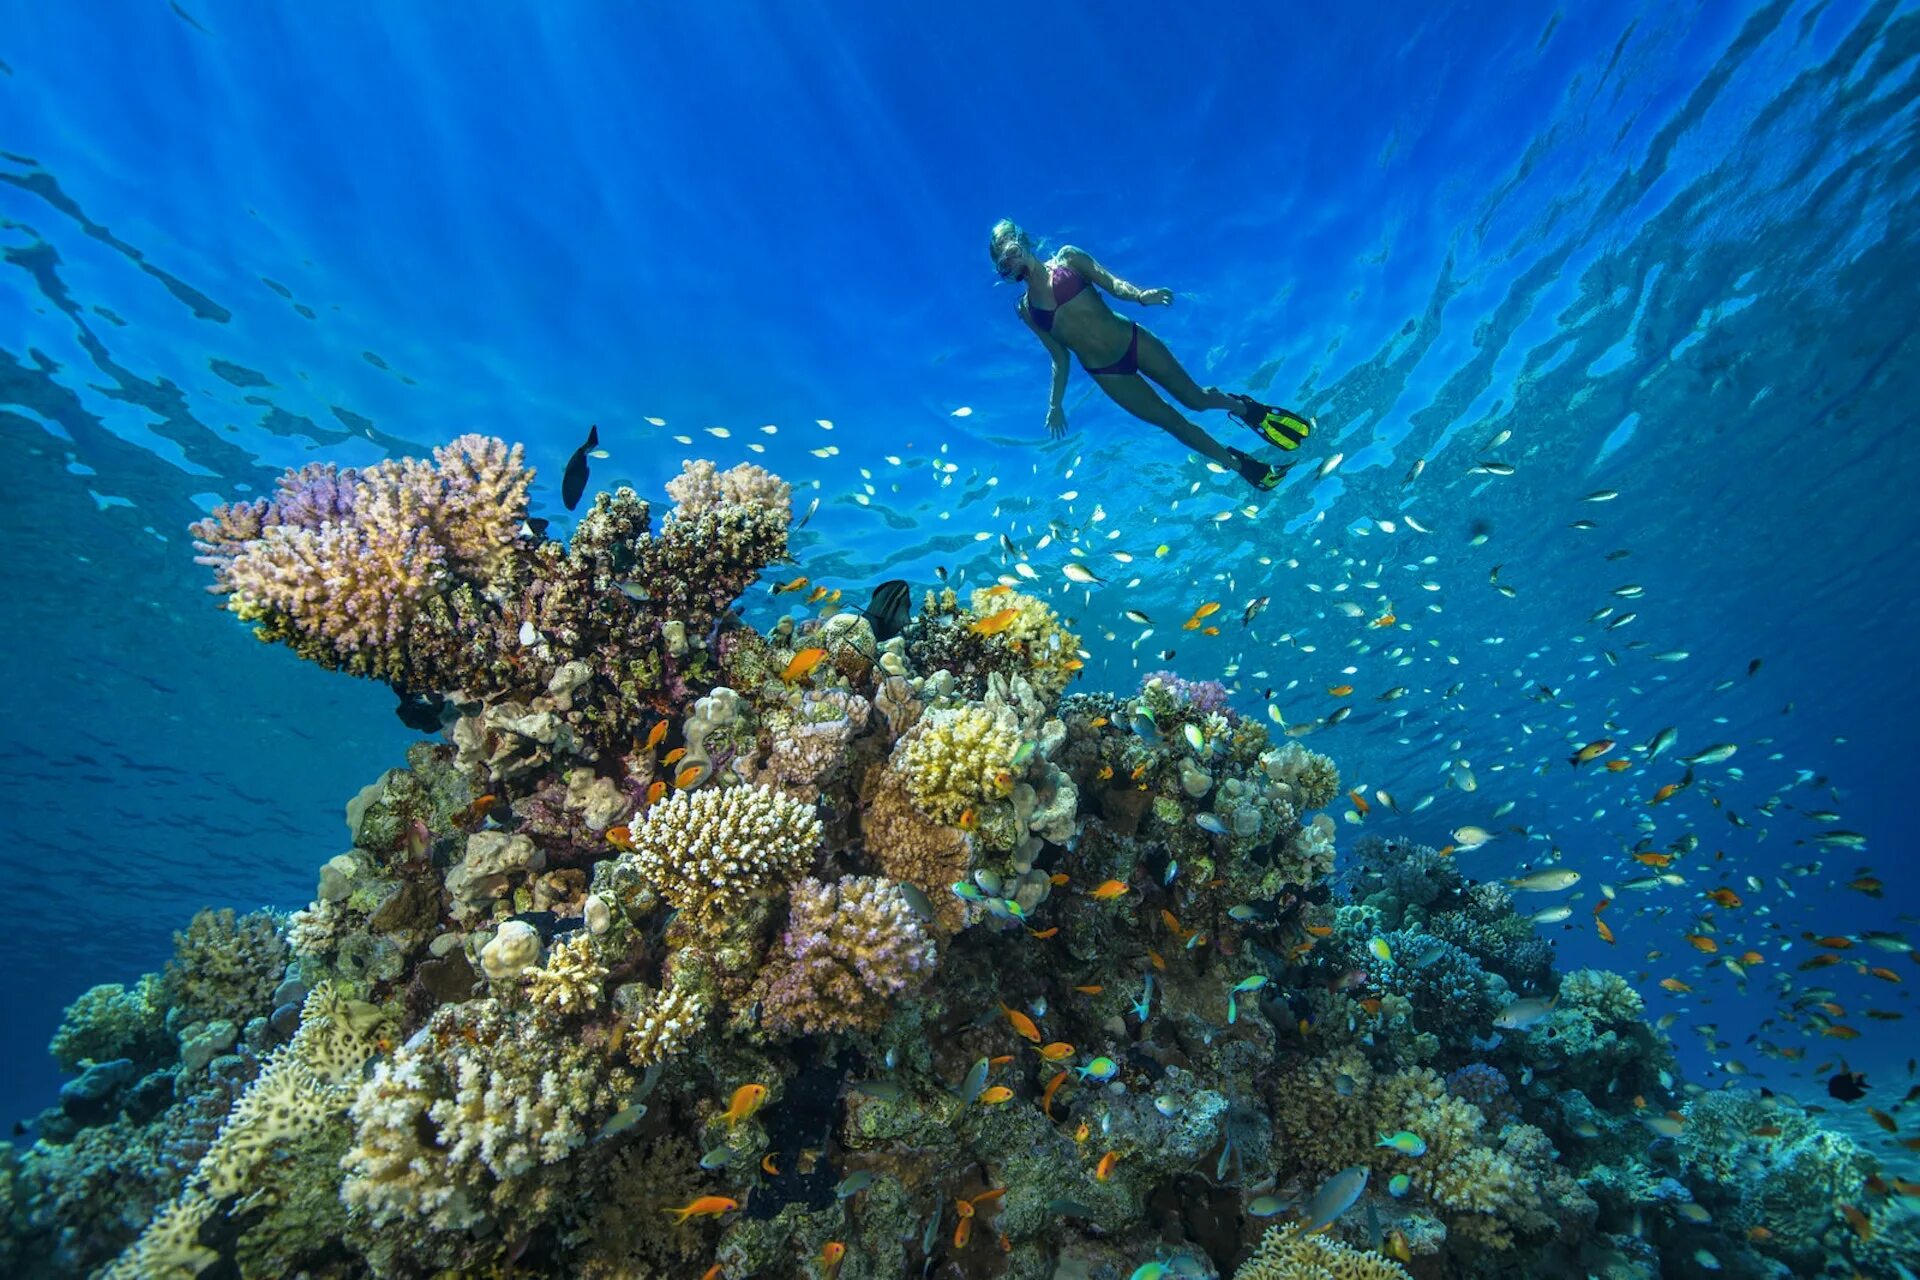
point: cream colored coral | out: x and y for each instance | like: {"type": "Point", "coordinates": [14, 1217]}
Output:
{"type": "Point", "coordinates": [570, 980]}
{"type": "Point", "coordinates": [665, 1025]}
{"type": "Point", "coordinates": [957, 759]}
{"type": "Point", "coordinates": [1286, 1254]}
{"type": "Point", "coordinates": [699, 488]}
{"type": "Point", "coordinates": [299, 1085]}
{"type": "Point", "coordinates": [1051, 651]}
{"type": "Point", "coordinates": [712, 852]}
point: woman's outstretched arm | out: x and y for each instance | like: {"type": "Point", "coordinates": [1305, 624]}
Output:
{"type": "Point", "coordinates": [1082, 261]}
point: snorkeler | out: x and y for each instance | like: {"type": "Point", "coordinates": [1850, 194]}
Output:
{"type": "Point", "coordinates": [1124, 352]}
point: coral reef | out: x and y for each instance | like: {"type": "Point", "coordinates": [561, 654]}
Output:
{"type": "Point", "coordinates": [799, 953]}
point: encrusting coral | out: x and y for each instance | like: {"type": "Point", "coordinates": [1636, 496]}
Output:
{"type": "Point", "coordinates": [682, 944]}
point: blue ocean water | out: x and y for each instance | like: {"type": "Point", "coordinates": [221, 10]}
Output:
{"type": "Point", "coordinates": [1670, 249]}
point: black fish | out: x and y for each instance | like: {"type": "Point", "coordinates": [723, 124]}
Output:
{"type": "Point", "coordinates": [537, 526]}
{"type": "Point", "coordinates": [422, 712]}
{"type": "Point", "coordinates": [888, 610]}
{"type": "Point", "coordinates": [1848, 1086]}
{"type": "Point", "coordinates": [574, 482]}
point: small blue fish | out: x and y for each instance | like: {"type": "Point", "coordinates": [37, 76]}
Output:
{"type": "Point", "coordinates": [1023, 753]}
{"type": "Point", "coordinates": [1145, 1002]}
{"type": "Point", "coordinates": [1173, 870]}
{"type": "Point", "coordinates": [1149, 1271]}
{"type": "Point", "coordinates": [917, 900]}
{"type": "Point", "coordinates": [967, 891]}
{"type": "Point", "coordinates": [1380, 950]}
{"type": "Point", "coordinates": [1253, 983]}
{"type": "Point", "coordinates": [1210, 822]}
{"type": "Point", "coordinates": [1266, 1206]}
{"type": "Point", "coordinates": [1142, 724]}
{"type": "Point", "coordinates": [1398, 1185]}
{"type": "Point", "coordinates": [1004, 908]}
{"type": "Point", "coordinates": [1101, 1069]}
{"type": "Point", "coordinates": [1243, 912]}
{"type": "Point", "coordinates": [1405, 1142]}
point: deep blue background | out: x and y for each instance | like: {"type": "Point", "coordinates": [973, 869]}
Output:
{"type": "Point", "coordinates": [1672, 250]}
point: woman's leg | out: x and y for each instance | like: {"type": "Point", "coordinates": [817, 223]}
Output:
{"type": "Point", "coordinates": [1131, 392]}
{"type": "Point", "coordinates": [1159, 364]}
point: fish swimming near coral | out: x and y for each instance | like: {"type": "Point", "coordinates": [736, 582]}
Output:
{"type": "Point", "coordinates": [573, 482]}
{"type": "Point", "coordinates": [1335, 1196]}
{"type": "Point", "coordinates": [887, 612]}
{"type": "Point", "coordinates": [704, 1207]}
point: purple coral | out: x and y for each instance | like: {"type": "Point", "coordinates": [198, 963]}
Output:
{"type": "Point", "coordinates": [1204, 696]}
{"type": "Point", "coordinates": [348, 556]}
{"type": "Point", "coordinates": [850, 949]}
{"type": "Point", "coordinates": [1487, 1088]}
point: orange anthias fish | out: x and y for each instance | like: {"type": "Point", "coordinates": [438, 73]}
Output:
{"type": "Point", "coordinates": [1869, 885]}
{"type": "Point", "coordinates": [620, 838]}
{"type": "Point", "coordinates": [690, 776]}
{"type": "Point", "coordinates": [1664, 793]}
{"type": "Point", "coordinates": [1701, 942]}
{"type": "Point", "coordinates": [1600, 927]}
{"type": "Point", "coordinates": [1592, 751]}
{"type": "Point", "coordinates": [1725, 897]}
{"type": "Point", "coordinates": [1057, 1050]}
{"type": "Point", "coordinates": [832, 1254]}
{"type": "Point", "coordinates": [1359, 803]}
{"type": "Point", "coordinates": [1091, 989]}
{"type": "Point", "coordinates": [1022, 1023]}
{"type": "Point", "coordinates": [1673, 984]}
{"type": "Point", "coordinates": [1385, 620]}
{"type": "Point", "coordinates": [1044, 934]}
{"type": "Point", "coordinates": [746, 1100]}
{"type": "Point", "coordinates": [1339, 690]}
{"type": "Point", "coordinates": [656, 735]}
{"type": "Point", "coordinates": [1104, 1169]}
{"type": "Point", "coordinates": [803, 662]}
{"type": "Point", "coordinates": [1655, 860]}
{"type": "Point", "coordinates": [1617, 766]}
{"type": "Point", "coordinates": [704, 1207]}
{"type": "Point", "coordinates": [1110, 889]}
{"type": "Point", "coordinates": [655, 791]}
{"type": "Point", "coordinates": [1859, 1221]}
{"type": "Point", "coordinates": [996, 1095]}
{"type": "Point", "coordinates": [816, 595]}
{"type": "Point", "coordinates": [795, 585]}
{"type": "Point", "coordinates": [1205, 611]}
{"type": "Point", "coordinates": [674, 757]}
{"type": "Point", "coordinates": [994, 623]}
{"type": "Point", "coordinates": [1046, 1095]}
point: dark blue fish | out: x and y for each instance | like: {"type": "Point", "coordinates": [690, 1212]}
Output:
{"type": "Point", "coordinates": [574, 482]}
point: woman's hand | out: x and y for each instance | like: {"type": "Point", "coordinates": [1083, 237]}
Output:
{"type": "Point", "coordinates": [1156, 297]}
{"type": "Point", "coordinates": [1056, 422]}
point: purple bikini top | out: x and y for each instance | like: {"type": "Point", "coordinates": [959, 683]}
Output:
{"type": "Point", "coordinates": [1067, 284]}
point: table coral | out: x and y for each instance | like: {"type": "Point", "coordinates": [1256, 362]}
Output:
{"type": "Point", "coordinates": [850, 950]}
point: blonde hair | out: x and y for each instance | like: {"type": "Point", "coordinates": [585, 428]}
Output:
{"type": "Point", "coordinates": [1008, 231]}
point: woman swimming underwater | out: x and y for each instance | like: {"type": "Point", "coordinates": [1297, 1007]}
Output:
{"type": "Point", "coordinates": [1066, 315]}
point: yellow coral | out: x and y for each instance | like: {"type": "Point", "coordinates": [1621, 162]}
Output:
{"type": "Point", "coordinates": [570, 980]}
{"type": "Point", "coordinates": [711, 853]}
{"type": "Point", "coordinates": [1286, 1254]}
{"type": "Point", "coordinates": [1052, 652]}
{"type": "Point", "coordinates": [665, 1025]}
{"type": "Point", "coordinates": [958, 759]}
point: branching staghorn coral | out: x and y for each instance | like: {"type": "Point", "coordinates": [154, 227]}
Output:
{"type": "Point", "coordinates": [713, 852]}
{"type": "Point", "coordinates": [849, 951]}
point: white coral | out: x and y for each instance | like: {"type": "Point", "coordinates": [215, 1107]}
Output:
{"type": "Point", "coordinates": [711, 852]}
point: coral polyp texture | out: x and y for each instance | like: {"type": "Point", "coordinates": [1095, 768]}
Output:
{"type": "Point", "coordinates": [684, 948]}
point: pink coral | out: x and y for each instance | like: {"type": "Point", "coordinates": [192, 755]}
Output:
{"type": "Point", "coordinates": [850, 949]}
{"type": "Point", "coordinates": [348, 556]}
